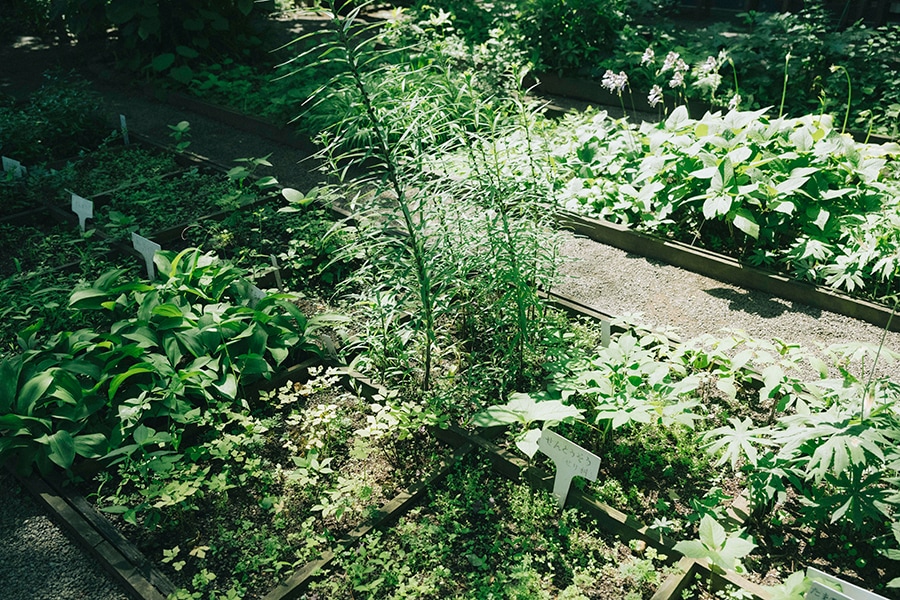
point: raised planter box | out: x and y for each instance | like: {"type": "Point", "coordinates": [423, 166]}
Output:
{"type": "Point", "coordinates": [143, 581]}
{"type": "Point", "coordinates": [625, 526]}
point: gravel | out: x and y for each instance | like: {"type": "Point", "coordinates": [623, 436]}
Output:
{"type": "Point", "coordinates": [37, 560]}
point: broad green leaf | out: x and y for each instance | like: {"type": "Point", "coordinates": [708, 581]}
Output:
{"type": "Point", "coordinates": [678, 118]}
{"type": "Point", "coordinates": [186, 52]}
{"type": "Point", "coordinates": [525, 409]}
{"type": "Point", "coordinates": [227, 386]}
{"type": "Point", "coordinates": [32, 391]}
{"type": "Point", "coordinates": [62, 448]}
{"type": "Point", "coordinates": [182, 74]}
{"type": "Point", "coordinates": [739, 439]}
{"type": "Point", "coordinates": [119, 379]}
{"type": "Point", "coordinates": [528, 443]}
{"type": "Point", "coordinates": [91, 445]}
{"type": "Point", "coordinates": [167, 310]}
{"type": "Point", "coordinates": [712, 534]}
{"type": "Point", "coordinates": [744, 221]}
{"type": "Point", "coordinates": [162, 62]}
{"type": "Point", "coordinates": [716, 205]}
{"type": "Point", "coordinates": [9, 382]}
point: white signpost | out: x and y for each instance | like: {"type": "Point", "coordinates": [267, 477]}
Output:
{"type": "Point", "coordinates": [124, 126]}
{"type": "Point", "coordinates": [256, 295]}
{"type": "Point", "coordinates": [570, 460]}
{"type": "Point", "coordinates": [820, 591]}
{"type": "Point", "coordinates": [13, 166]}
{"type": "Point", "coordinates": [147, 249]}
{"type": "Point", "coordinates": [83, 208]}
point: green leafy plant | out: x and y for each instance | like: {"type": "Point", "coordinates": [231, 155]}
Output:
{"type": "Point", "coordinates": [721, 550]}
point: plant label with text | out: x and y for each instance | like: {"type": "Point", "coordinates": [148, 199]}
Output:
{"type": "Point", "coordinates": [821, 591]}
{"type": "Point", "coordinates": [13, 166]}
{"type": "Point", "coordinates": [147, 249]}
{"type": "Point", "coordinates": [570, 460]}
{"type": "Point", "coordinates": [82, 207]}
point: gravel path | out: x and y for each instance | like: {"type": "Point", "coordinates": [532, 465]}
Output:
{"type": "Point", "coordinates": [37, 560]}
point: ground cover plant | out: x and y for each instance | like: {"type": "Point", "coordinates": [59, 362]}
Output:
{"type": "Point", "coordinates": [38, 306]}
{"type": "Point", "coordinates": [57, 121]}
{"type": "Point", "coordinates": [158, 204]}
{"type": "Point", "coordinates": [258, 490]}
{"type": "Point", "coordinates": [468, 540]}
{"type": "Point", "coordinates": [32, 246]}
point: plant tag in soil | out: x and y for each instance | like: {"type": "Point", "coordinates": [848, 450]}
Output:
{"type": "Point", "coordinates": [147, 249]}
{"type": "Point", "coordinates": [13, 166]}
{"type": "Point", "coordinates": [256, 295]}
{"type": "Point", "coordinates": [83, 208]}
{"type": "Point", "coordinates": [570, 460]}
{"type": "Point", "coordinates": [819, 591]}
{"type": "Point", "coordinates": [124, 127]}
{"type": "Point", "coordinates": [605, 332]}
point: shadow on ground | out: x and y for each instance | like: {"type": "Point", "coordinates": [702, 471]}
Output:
{"type": "Point", "coordinates": [755, 303]}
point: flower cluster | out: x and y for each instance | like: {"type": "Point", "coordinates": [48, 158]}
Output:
{"type": "Point", "coordinates": [614, 82]}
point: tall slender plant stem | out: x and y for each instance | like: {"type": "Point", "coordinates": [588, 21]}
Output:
{"type": "Point", "coordinates": [416, 243]}
{"type": "Point", "coordinates": [787, 59]}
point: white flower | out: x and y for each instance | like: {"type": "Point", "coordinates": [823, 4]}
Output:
{"type": "Point", "coordinates": [656, 95]}
{"type": "Point", "coordinates": [681, 66]}
{"type": "Point", "coordinates": [669, 63]}
{"type": "Point", "coordinates": [677, 80]}
{"type": "Point", "coordinates": [707, 66]}
{"type": "Point", "coordinates": [614, 82]}
{"type": "Point", "coordinates": [647, 57]}
{"type": "Point", "coordinates": [734, 102]}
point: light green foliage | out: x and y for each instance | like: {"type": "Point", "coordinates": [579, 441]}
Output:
{"type": "Point", "coordinates": [525, 410]}
{"type": "Point", "coordinates": [791, 194]}
{"type": "Point", "coordinates": [722, 550]}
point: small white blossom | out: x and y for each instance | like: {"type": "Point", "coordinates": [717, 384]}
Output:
{"type": "Point", "coordinates": [734, 102]}
{"type": "Point", "coordinates": [656, 95]}
{"type": "Point", "coordinates": [614, 82]}
{"type": "Point", "coordinates": [708, 66]}
{"type": "Point", "coordinates": [647, 57]}
{"type": "Point", "coordinates": [669, 63]}
{"type": "Point", "coordinates": [681, 66]}
{"type": "Point", "coordinates": [677, 80]}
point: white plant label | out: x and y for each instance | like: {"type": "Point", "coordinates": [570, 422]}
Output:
{"type": "Point", "coordinates": [147, 249]}
{"type": "Point", "coordinates": [278, 281]}
{"type": "Point", "coordinates": [83, 208]}
{"type": "Point", "coordinates": [570, 460]}
{"type": "Point", "coordinates": [13, 166]}
{"type": "Point", "coordinates": [124, 127]}
{"type": "Point", "coordinates": [256, 295]}
{"type": "Point", "coordinates": [820, 591]}
{"type": "Point", "coordinates": [605, 333]}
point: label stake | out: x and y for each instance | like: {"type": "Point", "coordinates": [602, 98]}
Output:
{"type": "Point", "coordinates": [570, 460]}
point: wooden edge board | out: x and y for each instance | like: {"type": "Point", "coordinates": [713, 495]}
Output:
{"type": "Point", "coordinates": [675, 584]}
{"type": "Point", "coordinates": [108, 553]}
